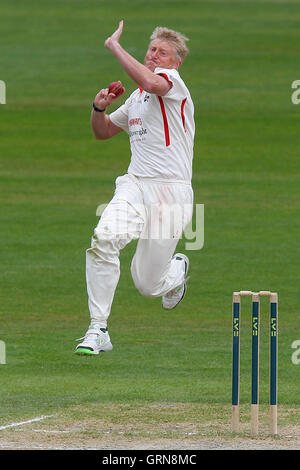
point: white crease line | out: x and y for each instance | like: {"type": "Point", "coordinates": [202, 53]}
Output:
{"type": "Point", "coordinates": [40, 418]}
{"type": "Point", "coordinates": [49, 431]}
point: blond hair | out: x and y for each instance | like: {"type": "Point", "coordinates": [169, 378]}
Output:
{"type": "Point", "coordinates": [173, 37]}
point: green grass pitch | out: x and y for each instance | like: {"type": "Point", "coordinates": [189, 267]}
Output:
{"type": "Point", "coordinates": [244, 55]}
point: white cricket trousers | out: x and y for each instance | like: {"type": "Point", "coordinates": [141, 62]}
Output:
{"type": "Point", "coordinates": [153, 211]}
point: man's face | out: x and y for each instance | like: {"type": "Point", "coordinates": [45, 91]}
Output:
{"type": "Point", "coordinates": [161, 54]}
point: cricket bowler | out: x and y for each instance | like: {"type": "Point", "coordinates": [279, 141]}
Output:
{"type": "Point", "coordinates": [159, 119]}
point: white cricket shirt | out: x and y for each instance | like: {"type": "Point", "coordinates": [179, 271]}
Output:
{"type": "Point", "coordinates": [161, 130]}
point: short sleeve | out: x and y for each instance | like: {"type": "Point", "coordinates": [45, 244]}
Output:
{"type": "Point", "coordinates": [120, 117]}
{"type": "Point", "coordinates": [178, 89]}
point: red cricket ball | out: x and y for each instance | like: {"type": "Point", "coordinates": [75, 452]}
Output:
{"type": "Point", "coordinates": [117, 86]}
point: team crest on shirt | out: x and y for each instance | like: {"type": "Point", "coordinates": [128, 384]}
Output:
{"type": "Point", "coordinates": [146, 98]}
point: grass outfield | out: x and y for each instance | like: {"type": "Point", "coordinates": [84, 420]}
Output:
{"type": "Point", "coordinates": [54, 174]}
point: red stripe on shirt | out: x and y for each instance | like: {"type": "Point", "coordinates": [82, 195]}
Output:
{"type": "Point", "coordinates": [182, 112]}
{"type": "Point", "coordinates": [166, 126]}
{"type": "Point", "coordinates": [166, 77]}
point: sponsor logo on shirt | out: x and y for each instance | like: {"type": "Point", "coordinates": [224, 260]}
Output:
{"type": "Point", "coordinates": [138, 132]}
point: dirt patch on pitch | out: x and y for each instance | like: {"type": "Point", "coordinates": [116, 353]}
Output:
{"type": "Point", "coordinates": [153, 427]}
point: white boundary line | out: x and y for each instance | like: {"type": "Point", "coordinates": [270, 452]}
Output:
{"type": "Point", "coordinates": [40, 418]}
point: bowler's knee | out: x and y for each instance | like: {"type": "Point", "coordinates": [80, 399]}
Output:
{"type": "Point", "coordinates": [103, 244]}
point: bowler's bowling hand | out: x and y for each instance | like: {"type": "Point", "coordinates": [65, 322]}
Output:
{"type": "Point", "coordinates": [107, 96]}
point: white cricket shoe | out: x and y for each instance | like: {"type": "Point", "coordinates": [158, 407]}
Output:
{"type": "Point", "coordinates": [175, 296]}
{"type": "Point", "coordinates": [96, 340]}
